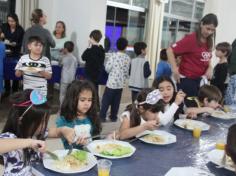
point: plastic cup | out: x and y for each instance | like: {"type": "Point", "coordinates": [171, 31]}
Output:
{"type": "Point", "coordinates": [220, 145]}
{"type": "Point", "coordinates": [104, 167]}
{"type": "Point", "coordinates": [197, 132]}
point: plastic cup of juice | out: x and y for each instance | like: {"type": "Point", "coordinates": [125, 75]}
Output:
{"type": "Point", "coordinates": [197, 132]}
{"type": "Point", "coordinates": [104, 167]}
{"type": "Point", "coordinates": [220, 145]}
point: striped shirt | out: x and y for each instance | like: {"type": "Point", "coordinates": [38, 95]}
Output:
{"type": "Point", "coordinates": [32, 79]}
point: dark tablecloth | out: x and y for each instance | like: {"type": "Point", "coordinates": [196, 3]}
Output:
{"type": "Point", "coordinates": [153, 160]}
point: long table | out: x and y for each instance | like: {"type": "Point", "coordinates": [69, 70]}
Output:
{"type": "Point", "coordinates": [153, 160]}
{"type": "Point", "coordinates": [10, 64]}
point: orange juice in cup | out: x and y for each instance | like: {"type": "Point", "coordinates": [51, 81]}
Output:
{"type": "Point", "coordinates": [197, 132]}
{"type": "Point", "coordinates": [220, 145]}
{"type": "Point", "coordinates": [104, 167]}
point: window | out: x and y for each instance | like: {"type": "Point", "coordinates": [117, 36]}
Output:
{"type": "Point", "coordinates": [6, 6]}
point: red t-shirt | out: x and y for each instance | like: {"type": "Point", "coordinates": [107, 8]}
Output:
{"type": "Point", "coordinates": [195, 58]}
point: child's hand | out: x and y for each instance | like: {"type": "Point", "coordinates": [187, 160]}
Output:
{"type": "Point", "coordinates": [68, 133]}
{"type": "Point", "coordinates": [150, 125]}
{"type": "Point", "coordinates": [114, 135]}
{"type": "Point", "coordinates": [82, 141]}
{"type": "Point", "coordinates": [37, 145]}
{"type": "Point", "coordinates": [179, 97]}
{"type": "Point", "coordinates": [191, 113]}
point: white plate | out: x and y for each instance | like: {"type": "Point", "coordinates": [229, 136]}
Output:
{"type": "Point", "coordinates": [186, 171]}
{"type": "Point", "coordinates": [215, 156]}
{"type": "Point", "coordinates": [168, 138]}
{"type": "Point", "coordinates": [223, 115]}
{"type": "Point", "coordinates": [92, 147]}
{"type": "Point", "coordinates": [190, 124]}
{"type": "Point", "coordinates": [31, 69]}
{"type": "Point", "coordinates": [48, 162]}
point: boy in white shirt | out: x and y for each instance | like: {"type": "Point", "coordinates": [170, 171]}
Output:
{"type": "Point", "coordinates": [117, 67]}
{"type": "Point", "coordinates": [34, 67]}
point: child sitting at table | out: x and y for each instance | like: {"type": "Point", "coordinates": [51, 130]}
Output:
{"type": "Point", "coordinates": [27, 119]}
{"type": "Point", "coordinates": [208, 100]}
{"type": "Point", "coordinates": [79, 110]}
{"type": "Point", "coordinates": [230, 148]}
{"type": "Point", "coordinates": [34, 67]}
{"type": "Point", "coordinates": [146, 113]}
{"type": "Point", "coordinates": [173, 100]}
{"type": "Point", "coordinates": [69, 66]}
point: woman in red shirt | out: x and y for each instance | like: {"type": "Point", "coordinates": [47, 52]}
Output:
{"type": "Point", "coordinates": [195, 54]}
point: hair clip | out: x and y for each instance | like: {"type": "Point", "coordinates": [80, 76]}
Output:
{"type": "Point", "coordinates": [152, 98]}
{"type": "Point", "coordinates": [36, 98]}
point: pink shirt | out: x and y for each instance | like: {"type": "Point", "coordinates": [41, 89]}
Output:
{"type": "Point", "coordinates": [195, 57]}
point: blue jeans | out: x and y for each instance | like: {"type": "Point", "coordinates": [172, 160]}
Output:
{"type": "Point", "coordinates": [111, 97]}
{"type": "Point", "coordinates": [230, 94]}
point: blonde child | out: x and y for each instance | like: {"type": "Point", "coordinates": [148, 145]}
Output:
{"type": "Point", "coordinates": [79, 110]}
{"type": "Point", "coordinates": [27, 119]}
{"type": "Point", "coordinates": [34, 67]}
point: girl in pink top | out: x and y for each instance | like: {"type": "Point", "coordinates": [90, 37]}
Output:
{"type": "Point", "coordinates": [195, 54]}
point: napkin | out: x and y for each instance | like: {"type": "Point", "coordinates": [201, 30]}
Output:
{"type": "Point", "coordinates": [187, 171]}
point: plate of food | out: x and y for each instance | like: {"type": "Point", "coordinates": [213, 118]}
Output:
{"type": "Point", "coordinates": [31, 69]}
{"type": "Point", "coordinates": [216, 157]}
{"type": "Point", "coordinates": [190, 124]}
{"type": "Point", "coordinates": [78, 161]}
{"type": "Point", "coordinates": [112, 149]}
{"type": "Point", "coordinates": [223, 115]}
{"type": "Point", "coordinates": [157, 137]}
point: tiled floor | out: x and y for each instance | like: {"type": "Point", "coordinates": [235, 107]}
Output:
{"type": "Point", "coordinates": [54, 144]}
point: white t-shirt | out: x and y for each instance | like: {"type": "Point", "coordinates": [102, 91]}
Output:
{"type": "Point", "coordinates": [33, 80]}
{"type": "Point", "coordinates": [164, 118]}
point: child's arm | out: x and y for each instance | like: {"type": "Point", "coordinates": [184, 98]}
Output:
{"type": "Point", "coordinates": [127, 132]}
{"type": "Point", "coordinates": [66, 132]}
{"type": "Point", "coordinates": [166, 117]}
{"type": "Point", "coordinates": [193, 112]}
{"type": "Point", "coordinates": [8, 145]}
{"type": "Point", "coordinates": [18, 73]}
{"type": "Point", "coordinates": [109, 65]}
{"type": "Point", "coordinates": [45, 74]}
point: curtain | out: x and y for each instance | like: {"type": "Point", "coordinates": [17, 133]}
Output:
{"type": "Point", "coordinates": [27, 6]}
{"type": "Point", "coordinates": [154, 32]}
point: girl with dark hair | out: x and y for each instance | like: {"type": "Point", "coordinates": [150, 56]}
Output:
{"type": "Point", "coordinates": [146, 113]}
{"type": "Point", "coordinates": [172, 99]}
{"type": "Point", "coordinates": [12, 34]}
{"type": "Point", "coordinates": [230, 147]}
{"type": "Point", "coordinates": [195, 51]}
{"type": "Point", "coordinates": [79, 110]}
{"type": "Point", "coordinates": [27, 119]}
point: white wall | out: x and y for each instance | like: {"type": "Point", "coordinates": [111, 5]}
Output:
{"type": "Point", "coordinates": [80, 16]}
{"type": "Point", "coordinates": [225, 11]}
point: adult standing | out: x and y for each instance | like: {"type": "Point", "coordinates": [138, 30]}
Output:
{"type": "Point", "coordinates": [59, 36]}
{"type": "Point", "coordinates": [39, 19]}
{"type": "Point", "coordinates": [12, 34]}
{"type": "Point", "coordinates": [230, 94]}
{"type": "Point", "coordinates": [195, 54]}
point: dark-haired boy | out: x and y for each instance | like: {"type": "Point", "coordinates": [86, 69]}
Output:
{"type": "Point", "coordinates": [117, 68]}
{"type": "Point", "coordinates": [34, 67]}
{"type": "Point", "coordinates": [230, 148]}
{"type": "Point", "coordinates": [139, 70]}
{"type": "Point", "coordinates": [223, 50]}
{"type": "Point", "coordinates": [69, 66]}
{"type": "Point", "coordinates": [94, 57]}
